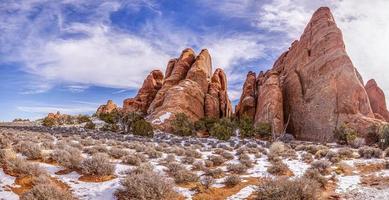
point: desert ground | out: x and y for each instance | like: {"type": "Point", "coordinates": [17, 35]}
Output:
{"type": "Point", "coordinates": [90, 164]}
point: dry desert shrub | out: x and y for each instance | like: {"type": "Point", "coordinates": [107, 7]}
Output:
{"type": "Point", "coordinates": [30, 150]}
{"type": "Point", "coordinates": [227, 155]}
{"type": "Point", "coordinates": [97, 165]}
{"type": "Point", "coordinates": [21, 167]}
{"type": "Point", "coordinates": [198, 165]}
{"type": "Point", "coordinates": [46, 192]}
{"type": "Point", "coordinates": [314, 174]}
{"type": "Point", "coordinates": [208, 163]}
{"type": "Point", "coordinates": [216, 160]}
{"type": "Point", "coordinates": [6, 154]}
{"type": "Point", "coordinates": [145, 184]}
{"type": "Point", "coordinates": [192, 153]}
{"type": "Point", "coordinates": [370, 152]}
{"type": "Point", "coordinates": [321, 153]}
{"type": "Point", "coordinates": [188, 160]}
{"type": "Point", "coordinates": [184, 176]}
{"type": "Point", "coordinates": [88, 142]}
{"type": "Point", "coordinates": [277, 148]}
{"type": "Point", "coordinates": [231, 181]}
{"type": "Point", "coordinates": [132, 159]}
{"type": "Point", "coordinates": [152, 153]}
{"type": "Point", "coordinates": [237, 168]}
{"type": "Point", "coordinates": [307, 157]}
{"type": "Point", "coordinates": [69, 157]}
{"type": "Point", "coordinates": [345, 153]}
{"type": "Point", "coordinates": [358, 142]}
{"type": "Point", "coordinates": [207, 181]}
{"type": "Point", "coordinates": [321, 165]}
{"type": "Point", "coordinates": [178, 151]}
{"type": "Point", "coordinates": [215, 173]}
{"type": "Point", "coordinates": [287, 189]}
{"type": "Point", "coordinates": [333, 156]}
{"type": "Point", "coordinates": [117, 153]}
{"type": "Point", "coordinates": [386, 152]}
{"type": "Point", "coordinates": [173, 167]}
{"type": "Point", "coordinates": [278, 168]}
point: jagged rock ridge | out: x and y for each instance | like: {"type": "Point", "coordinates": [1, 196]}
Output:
{"type": "Point", "coordinates": [188, 87]}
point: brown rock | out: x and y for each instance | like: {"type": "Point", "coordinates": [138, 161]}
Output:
{"type": "Point", "coordinates": [176, 71]}
{"type": "Point", "coordinates": [377, 100]}
{"type": "Point", "coordinates": [107, 108]}
{"type": "Point", "coordinates": [201, 70]}
{"type": "Point", "coordinates": [247, 102]}
{"type": "Point", "coordinates": [217, 103]}
{"type": "Point", "coordinates": [141, 102]}
{"type": "Point", "coordinates": [269, 107]}
{"type": "Point", "coordinates": [321, 88]}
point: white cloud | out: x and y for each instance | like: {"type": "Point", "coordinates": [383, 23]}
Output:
{"type": "Point", "coordinates": [104, 58]}
{"type": "Point", "coordinates": [53, 109]}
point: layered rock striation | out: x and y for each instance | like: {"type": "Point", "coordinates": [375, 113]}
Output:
{"type": "Point", "coordinates": [314, 84]}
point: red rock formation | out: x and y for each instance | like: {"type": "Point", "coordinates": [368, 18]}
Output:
{"type": "Point", "coordinates": [247, 102]}
{"type": "Point", "coordinates": [377, 100]}
{"type": "Point", "coordinates": [315, 84]}
{"type": "Point", "coordinates": [322, 88]}
{"type": "Point", "coordinates": [189, 89]}
{"type": "Point", "coordinates": [269, 107]}
{"type": "Point", "coordinates": [217, 103]}
{"type": "Point", "coordinates": [141, 102]}
{"type": "Point", "coordinates": [176, 71]}
{"type": "Point", "coordinates": [107, 108]}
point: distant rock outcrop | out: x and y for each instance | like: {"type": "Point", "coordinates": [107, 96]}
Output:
{"type": "Point", "coordinates": [320, 87]}
{"type": "Point", "coordinates": [377, 100]}
{"type": "Point", "coordinates": [107, 108]}
{"type": "Point", "coordinates": [146, 94]}
{"type": "Point", "coordinates": [188, 88]}
{"type": "Point", "coordinates": [247, 102]}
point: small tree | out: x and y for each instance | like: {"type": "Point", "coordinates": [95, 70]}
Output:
{"type": "Point", "coordinates": [143, 128]}
{"type": "Point", "coordinates": [263, 129]}
{"type": "Point", "coordinates": [345, 134]}
{"type": "Point", "coordinates": [182, 125]}
{"type": "Point", "coordinates": [205, 124]}
{"type": "Point", "coordinates": [129, 119]}
{"type": "Point", "coordinates": [384, 133]}
{"type": "Point", "coordinates": [246, 127]}
{"type": "Point", "coordinates": [372, 135]}
{"type": "Point", "coordinates": [48, 121]}
{"type": "Point", "coordinates": [83, 119]}
{"type": "Point", "coordinates": [90, 125]}
{"type": "Point", "coordinates": [110, 118]}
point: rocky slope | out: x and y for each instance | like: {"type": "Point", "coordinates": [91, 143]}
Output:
{"type": "Point", "coordinates": [189, 87]}
{"type": "Point", "coordinates": [314, 84]}
{"type": "Point", "coordinates": [107, 108]}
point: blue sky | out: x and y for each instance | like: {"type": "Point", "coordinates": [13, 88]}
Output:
{"type": "Point", "coordinates": [73, 55]}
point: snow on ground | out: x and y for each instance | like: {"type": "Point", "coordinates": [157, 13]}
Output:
{"type": "Point", "coordinates": [243, 193]}
{"type": "Point", "coordinates": [6, 180]}
{"type": "Point", "coordinates": [347, 183]}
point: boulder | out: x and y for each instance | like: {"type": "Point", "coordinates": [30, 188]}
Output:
{"type": "Point", "coordinates": [377, 100]}
{"type": "Point", "coordinates": [107, 108]}
{"type": "Point", "coordinates": [146, 94]}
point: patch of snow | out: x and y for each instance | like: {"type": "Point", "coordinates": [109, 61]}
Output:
{"type": "Point", "coordinates": [243, 193]}
{"type": "Point", "coordinates": [6, 180]}
{"type": "Point", "coordinates": [162, 118]}
{"type": "Point", "coordinates": [347, 183]}
{"type": "Point", "coordinates": [297, 167]}
{"type": "Point", "coordinates": [188, 194]}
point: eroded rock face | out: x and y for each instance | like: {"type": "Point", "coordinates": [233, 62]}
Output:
{"type": "Point", "coordinates": [321, 87]}
{"type": "Point", "coordinates": [107, 108]}
{"type": "Point", "coordinates": [269, 107]}
{"type": "Point", "coordinates": [141, 102]}
{"type": "Point", "coordinates": [314, 84]}
{"type": "Point", "coordinates": [177, 70]}
{"type": "Point", "coordinates": [187, 88]}
{"type": "Point", "coordinates": [217, 103]}
{"type": "Point", "coordinates": [247, 102]}
{"type": "Point", "coordinates": [377, 100]}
